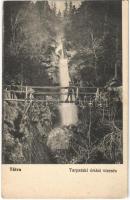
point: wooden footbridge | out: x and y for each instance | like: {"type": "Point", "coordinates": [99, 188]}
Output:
{"type": "Point", "coordinates": [81, 96]}
{"type": "Point", "coordinates": [47, 93]}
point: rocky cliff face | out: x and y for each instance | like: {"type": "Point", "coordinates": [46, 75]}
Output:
{"type": "Point", "coordinates": [25, 134]}
{"type": "Point", "coordinates": [35, 135]}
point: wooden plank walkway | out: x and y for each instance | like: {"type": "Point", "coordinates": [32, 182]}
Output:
{"type": "Point", "coordinates": [32, 93]}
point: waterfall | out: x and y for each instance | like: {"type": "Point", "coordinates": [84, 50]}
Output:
{"type": "Point", "coordinates": [68, 111]}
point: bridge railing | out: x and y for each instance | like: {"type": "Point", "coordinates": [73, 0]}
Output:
{"type": "Point", "coordinates": [23, 88]}
{"type": "Point", "coordinates": [25, 92]}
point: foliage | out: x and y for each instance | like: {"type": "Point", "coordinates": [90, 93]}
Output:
{"type": "Point", "coordinates": [92, 44]}
{"type": "Point", "coordinates": [25, 134]}
{"type": "Point", "coordinates": [29, 42]}
{"type": "Point", "coordinates": [94, 31]}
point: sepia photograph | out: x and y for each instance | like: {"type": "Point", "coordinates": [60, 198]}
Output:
{"type": "Point", "coordinates": [62, 82]}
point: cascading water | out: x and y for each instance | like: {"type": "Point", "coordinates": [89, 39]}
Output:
{"type": "Point", "coordinates": [68, 110]}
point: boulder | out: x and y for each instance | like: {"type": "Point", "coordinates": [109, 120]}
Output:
{"type": "Point", "coordinates": [59, 138]}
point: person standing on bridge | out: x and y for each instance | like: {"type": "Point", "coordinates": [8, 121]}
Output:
{"type": "Point", "coordinates": [13, 88]}
{"type": "Point", "coordinates": [75, 85]}
{"type": "Point", "coordinates": [70, 91]}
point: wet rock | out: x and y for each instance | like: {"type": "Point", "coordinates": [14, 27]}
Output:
{"type": "Point", "coordinates": [59, 138]}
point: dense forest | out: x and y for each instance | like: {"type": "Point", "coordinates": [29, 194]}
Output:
{"type": "Point", "coordinates": [93, 33]}
{"type": "Point", "coordinates": [92, 41]}
{"type": "Point", "coordinates": [29, 42]}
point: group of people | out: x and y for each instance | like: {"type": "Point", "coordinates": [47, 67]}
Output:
{"type": "Point", "coordinates": [74, 95]}
{"type": "Point", "coordinates": [73, 91]}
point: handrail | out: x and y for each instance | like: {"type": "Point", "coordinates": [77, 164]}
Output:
{"type": "Point", "coordinates": [51, 93]}
{"type": "Point", "coordinates": [50, 87]}
{"type": "Point", "coordinates": [38, 100]}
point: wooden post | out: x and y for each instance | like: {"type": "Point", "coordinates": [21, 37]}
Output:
{"type": "Point", "coordinates": [26, 92]}
{"type": "Point", "coordinates": [89, 132]}
{"type": "Point", "coordinates": [78, 92]}
{"type": "Point", "coordinates": [116, 71]}
{"type": "Point", "coordinates": [21, 77]}
{"type": "Point", "coordinates": [30, 146]}
{"type": "Point", "coordinates": [103, 112]}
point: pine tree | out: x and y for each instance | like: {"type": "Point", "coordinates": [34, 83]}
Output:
{"type": "Point", "coordinates": [59, 14]}
{"type": "Point", "coordinates": [66, 9]}
{"type": "Point", "coordinates": [54, 8]}
{"type": "Point", "coordinates": [70, 7]}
